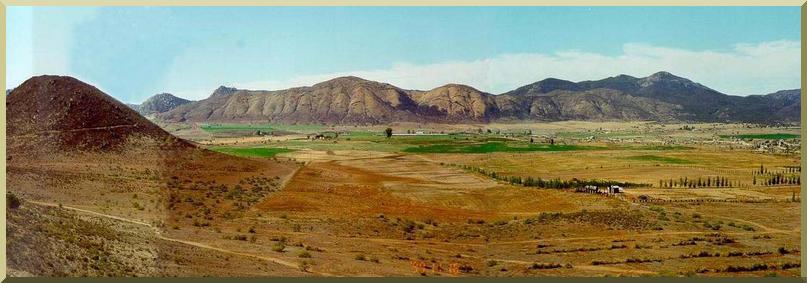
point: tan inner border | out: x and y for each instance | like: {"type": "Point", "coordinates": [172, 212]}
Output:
{"type": "Point", "coordinates": [4, 3]}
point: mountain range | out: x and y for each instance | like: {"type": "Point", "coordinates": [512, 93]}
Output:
{"type": "Point", "coordinates": [351, 100]}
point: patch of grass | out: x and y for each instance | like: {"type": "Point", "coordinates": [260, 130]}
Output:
{"type": "Point", "coordinates": [662, 147]}
{"type": "Point", "coordinates": [251, 151]}
{"type": "Point", "coordinates": [279, 247]}
{"type": "Point", "coordinates": [493, 147]}
{"type": "Point", "coordinates": [662, 159]}
{"type": "Point", "coordinates": [235, 127]}
{"type": "Point", "coordinates": [217, 128]}
{"type": "Point", "coordinates": [777, 136]}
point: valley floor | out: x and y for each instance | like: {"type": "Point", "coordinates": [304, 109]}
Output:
{"type": "Point", "coordinates": [364, 205]}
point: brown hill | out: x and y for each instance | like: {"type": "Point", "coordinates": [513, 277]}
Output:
{"type": "Point", "coordinates": [457, 103]}
{"type": "Point", "coordinates": [348, 100]}
{"type": "Point", "coordinates": [55, 112]}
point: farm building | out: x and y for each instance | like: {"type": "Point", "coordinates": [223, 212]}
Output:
{"type": "Point", "coordinates": [614, 189]}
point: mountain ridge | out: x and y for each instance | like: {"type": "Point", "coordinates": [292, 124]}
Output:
{"type": "Point", "coordinates": [661, 96]}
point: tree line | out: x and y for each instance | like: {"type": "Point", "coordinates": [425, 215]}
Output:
{"type": "Point", "coordinates": [539, 182]}
{"type": "Point", "coordinates": [779, 179]}
{"type": "Point", "coordinates": [708, 182]}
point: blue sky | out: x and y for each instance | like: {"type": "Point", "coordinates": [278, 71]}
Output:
{"type": "Point", "coordinates": [135, 52]}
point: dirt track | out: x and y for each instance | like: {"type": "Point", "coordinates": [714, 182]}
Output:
{"type": "Point", "coordinates": [192, 243]}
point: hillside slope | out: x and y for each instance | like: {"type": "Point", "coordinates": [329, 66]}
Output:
{"type": "Point", "coordinates": [55, 112]}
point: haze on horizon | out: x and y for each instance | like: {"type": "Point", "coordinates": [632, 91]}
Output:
{"type": "Point", "coordinates": [135, 52]}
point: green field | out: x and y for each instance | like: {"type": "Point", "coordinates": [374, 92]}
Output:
{"type": "Point", "coordinates": [662, 147]}
{"type": "Point", "coordinates": [777, 136]}
{"type": "Point", "coordinates": [493, 147]}
{"type": "Point", "coordinates": [215, 128]}
{"type": "Point", "coordinates": [661, 159]}
{"type": "Point", "coordinates": [251, 151]}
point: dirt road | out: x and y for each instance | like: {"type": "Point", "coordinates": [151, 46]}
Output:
{"type": "Point", "coordinates": [186, 242]}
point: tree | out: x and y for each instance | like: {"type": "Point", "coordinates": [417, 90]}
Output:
{"type": "Point", "coordinates": [388, 132]}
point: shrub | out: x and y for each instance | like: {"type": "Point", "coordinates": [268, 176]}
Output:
{"type": "Point", "coordinates": [305, 266]}
{"type": "Point", "coordinates": [12, 201]}
{"type": "Point", "coordinates": [789, 265]}
{"type": "Point", "coordinates": [360, 257]}
{"type": "Point", "coordinates": [312, 248]}
{"type": "Point", "coordinates": [304, 254]}
{"type": "Point", "coordinates": [279, 247]}
{"type": "Point", "coordinates": [409, 226]}
{"type": "Point", "coordinates": [465, 268]}
{"type": "Point", "coordinates": [545, 266]}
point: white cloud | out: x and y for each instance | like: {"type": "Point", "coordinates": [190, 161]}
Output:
{"type": "Point", "coordinates": [745, 69]}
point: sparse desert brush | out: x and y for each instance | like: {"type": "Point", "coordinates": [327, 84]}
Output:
{"type": "Point", "coordinates": [360, 257]}
{"type": "Point", "coordinates": [12, 201]}
{"type": "Point", "coordinates": [408, 226]}
{"type": "Point", "coordinates": [305, 266]}
{"type": "Point", "coordinates": [545, 266]}
{"type": "Point", "coordinates": [198, 223]}
{"type": "Point", "coordinates": [304, 254]}
{"type": "Point", "coordinates": [279, 247]}
{"type": "Point", "coordinates": [466, 268]}
{"type": "Point", "coordinates": [312, 248]}
{"type": "Point", "coordinates": [281, 239]}
{"type": "Point", "coordinates": [400, 257]}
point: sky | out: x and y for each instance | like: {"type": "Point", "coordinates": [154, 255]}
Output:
{"type": "Point", "coordinates": [133, 53]}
